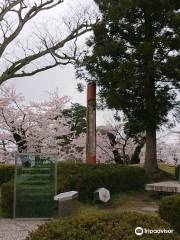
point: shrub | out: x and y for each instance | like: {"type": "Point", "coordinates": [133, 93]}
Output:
{"type": "Point", "coordinates": [6, 173]}
{"type": "Point", "coordinates": [177, 170]}
{"type": "Point", "coordinates": [7, 190]}
{"type": "Point", "coordinates": [86, 178]}
{"type": "Point", "coordinates": [102, 225]}
{"type": "Point", "coordinates": [169, 210]}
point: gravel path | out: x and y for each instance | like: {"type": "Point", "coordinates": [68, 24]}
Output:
{"type": "Point", "coordinates": [17, 229]}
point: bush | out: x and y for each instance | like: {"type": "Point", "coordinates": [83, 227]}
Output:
{"type": "Point", "coordinates": [86, 178]}
{"type": "Point", "coordinates": [102, 225]}
{"type": "Point", "coordinates": [169, 210]}
{"type": "Point", "coordinates": [7, 190]}
{"type": "Point", "coordinates": [6, 173]}
{"type": "Point", "coordinates": [177, 170]}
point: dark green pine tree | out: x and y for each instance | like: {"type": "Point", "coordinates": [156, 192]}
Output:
{"type": "Point", "coordinates": [135, 61]}
{"type": "Point", "coordinates": [76, 117]}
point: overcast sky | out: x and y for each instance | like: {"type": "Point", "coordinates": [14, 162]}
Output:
{"type": "Point", "coordinates": [35, 87]}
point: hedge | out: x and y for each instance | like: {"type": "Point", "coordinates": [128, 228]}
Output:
{"type": "Point", "coordinates": [7, 190]}
{"type": "Point", "coordinates": [6, 173]}
{"type": "Point", "coordinates": [169, 210]}
{"type": "Point", "coordinates": [86, 178]}
{"type": "Point", "coordinates": [177, 170]}
{"type": "Point", "coordinates": [103, 225]}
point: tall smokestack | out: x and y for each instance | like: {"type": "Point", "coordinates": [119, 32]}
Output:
{"type": "Point", "coordinates": [91, 123]}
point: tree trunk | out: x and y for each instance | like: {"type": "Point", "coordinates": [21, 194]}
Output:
{"type": "Point", "coordinates": [135, 156]}
{"type": "Point", "coordinates": [117, 157]}
{"type": "Point", "coordinates": [150, 156]}
{"type": "Point", "coordinates": [20, 141]}
{"type": "Point", "coordinates": [135, 159]}
{"type": "Point", "coordinates": [151, 165]}
{"type": "Point", "coordinates": [150, 97]}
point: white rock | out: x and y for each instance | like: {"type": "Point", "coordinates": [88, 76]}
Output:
{"type": "Point", "coordinates": [104, 194]}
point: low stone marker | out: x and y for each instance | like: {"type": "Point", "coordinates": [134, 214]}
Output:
{"type": "Point", "coordinates": [170, 186]}
{"type": "Point", "coordinates": [67, 203]}
{"type": "Point", "coordinates": [102, 194]}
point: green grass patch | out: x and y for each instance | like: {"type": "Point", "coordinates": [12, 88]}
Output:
{"type": "Point", "coordinates": [167, 168]}
{"type": "Point", "coordinates": [131, 200]}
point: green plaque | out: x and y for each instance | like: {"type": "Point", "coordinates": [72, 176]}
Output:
{"type": "Point", "coordinates": [35, 186]}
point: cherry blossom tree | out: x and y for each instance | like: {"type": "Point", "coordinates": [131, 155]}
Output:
{"type": "Point", "coordinates": [168, 152]}
{"type": "Point", "coordinates": [38, 127]}
{"type": "Point", "coordinates": [42, 127]}
{"type": "Point", "coordinates": [113, 145]}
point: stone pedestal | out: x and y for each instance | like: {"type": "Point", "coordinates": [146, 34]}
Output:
{"type": "Point", "coordinates": [169, 187]}
{"type": "Point", "coordinates": [68, 208]}
{"type": "Point", "coordinates": [68, 203]}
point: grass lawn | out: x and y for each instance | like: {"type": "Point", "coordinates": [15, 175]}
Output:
{"type": "Point", "coordinates": [131, 201]}
{"type": "Point", "coordinates": [166, 173]}
{"type": "Point", "coordinates": [167, 168]}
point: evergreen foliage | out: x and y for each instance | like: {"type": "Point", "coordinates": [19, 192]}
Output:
{"type": "Point", "coordinates": [102, 225]}
{"type": "Point", "coordinates": [169, 210]}
{"type": "Point", "coordinates": [134, 58]}
{"type": "Point", "coordinates": [6, 173]}
{"type": "Point", "coordinates": [76, 117]}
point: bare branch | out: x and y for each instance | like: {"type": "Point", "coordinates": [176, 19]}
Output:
{"type": "Point", "coordinates": [6, 8]}
{"type": "Point", "coordinates": [24, 59]}
{"type": "Point", "coordinates": [32, 12]}
{"type": "Point", "coordinates": [18, 65]}
{"type": "Point", "coordinates": [26, 74]}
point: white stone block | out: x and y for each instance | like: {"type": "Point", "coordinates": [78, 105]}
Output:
{"type": "Point", "coordinates": [102, 194]}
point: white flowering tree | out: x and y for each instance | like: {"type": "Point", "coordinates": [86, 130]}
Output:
{"type": "Point", "coordinates": [113, 145]}
{"type": "Point", "coordinates": [38, 127]}
{"type": "Point", "coordinates": [50, 127]}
